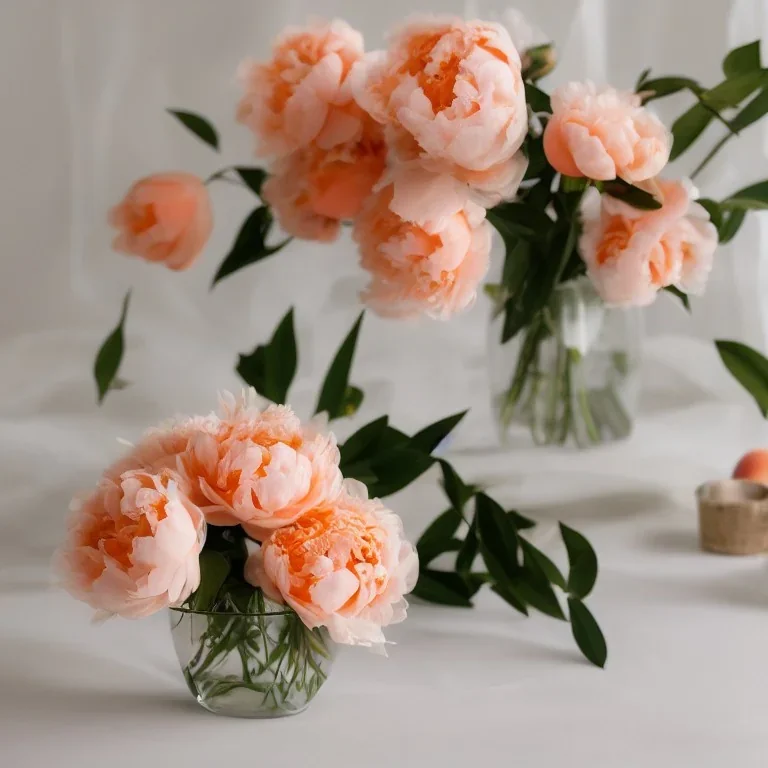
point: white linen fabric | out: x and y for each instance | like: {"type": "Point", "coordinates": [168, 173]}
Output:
{"type": "Point", "coordinates": [85, 84]}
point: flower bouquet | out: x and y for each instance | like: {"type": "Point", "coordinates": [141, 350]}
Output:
{"type": "Point", "coordinates": [242, 524]}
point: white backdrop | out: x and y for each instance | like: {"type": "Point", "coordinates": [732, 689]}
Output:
{"type": "Point", "coordinates": [84, 85]}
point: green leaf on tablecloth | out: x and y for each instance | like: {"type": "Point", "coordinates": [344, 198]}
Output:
{"type": "Point", "coordinates": [214, 569]}
{"type": "Point", "coordinates": [250, 245]}
{"type": "Point", "coordinates": [587, 633]}
{"type": "Point", "coordinates": [551, 571]}
{"type": "Point", "coordinates": [270, 368]}
{"type": "Point", "coordinates": [749, 368]}
{"type": "Point", "coordinates": [466, 555]}
{"type": "Point", "coordinates": [511, 598]}
{"type": "Point", "coordinates": [521, 522]}
{"type": "Point", "coordinates": [110, 355]}
{"type": "Point", "coordinates": [199, 125]}
{"type": "Point", "coordinates": [498, 540]}
{"type": "Point", "coordinates": [335, 389]}
{"type": "Point", "coordinates": [582, 561]}
{"type": "Point", "coordinates": [443, 588]}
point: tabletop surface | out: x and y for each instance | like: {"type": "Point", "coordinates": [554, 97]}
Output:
{"type": "Point", "coordinates": [684, 684]}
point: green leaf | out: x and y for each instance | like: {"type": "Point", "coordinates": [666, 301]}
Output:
{"type": "Point", "coordinates": [534, 586]}
{"type": "Point", "coordinates": [252, 176]}
{"type": "Point", "coordinates": [250, 245]}
{"type": "Point", "coordinates": [582, 562]}
{"type": "Point", "coordinates": [361, 471]}
{"type": "Point", "coordinates": [587, 633]}
{"type": "Point", "coordinates": [550, 570]}
{"type": "Point", "coordinates": [688, 127]}
{"type": "Point", "coordinates": [731, 92]}
{"type": "Point", "coordinates": [199, 125]}
{"type": "Point", "coordinates": [731, 224]}
{"type": "Point", "coordinates": [336, 384]}
{"type": "Point", "coordinates": [110, 355]}
{"type": "Point", "coordinates": [439, 536]}
{"type": "Point", "coordinates": [429, 438]}
{"type": "Point", "coordinates": [642, 79]}
{"type": "Point", "coordinates": [270, 369]}
{"type": "Point", "coordinates": [457, 491]}
{"type": "Point", "coordinates": [634, 196]}
{"type": "Point", "coordinates": [358, 444]}
{"type": "Point", "coordinates": [443, 588]}
{"type": "Point", "coordinates": [684, 300]}
{"type": "Point", "coordinates": [520, 522]}
{"type": "Point", "coordinates": [214, 569]}
{"type": "Point", "coordinates": [519, 220]}
{"type": "Point", "coordinates": [353, 399]}
{"type": "Point", "coordinates": [751, 112]}
{"type": "Point", "coordinates": [509, 596]}
{"type": "Point", "coordinates": [469, 549]}
{"type": "Point", "coordinates": [533, 147]}
{"type": "Point", "coordinates": [754, 197]}
{"type": "Point", "coordinates": [396, 469]}
{"type": "Point", "coordinates": [742, 60]}
{"type": "Point", "coordinates": [660, 87]}
{"type": "Point", "coordinates": [516, 267]}
{"type": "Point", "coordinates": [712, 207]}
{"type": "Point", "coordinates": [498, 540]}
{"type": "Point", "coordinates": [537, 99]}
{"type": "Point", "coordinates": [749, 368]}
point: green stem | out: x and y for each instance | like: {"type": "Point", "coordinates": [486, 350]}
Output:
{"type": "Point", "coordinates": [705, 162]}
{"type": "Point", "coordinates": [583, 399]}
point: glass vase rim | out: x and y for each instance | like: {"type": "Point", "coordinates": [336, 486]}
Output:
{"type": "Point", "coordinates": [232, 614]}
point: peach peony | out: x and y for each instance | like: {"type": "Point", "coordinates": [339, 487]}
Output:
{"type": "Point", "coordinates": [451, 94]}
{"type": "Point", "coordinates": [262, 470]}
{"type": "Point", "coordinates": [164, 218]}
{"type": "Point", "coordinates": [425, 244]}
{"type": "Point", "coordinates": [133, 546]}
{"type": "Point", "coordinates": [312, 190]}
{"type": "Point", "coordinates": [631, 254]}
{"type": "Point", "coordinates": [604, 133]}
{"type": "Point", "coordinates": [344, 565]}
{"type": "Point", "coordinates": [301, 96]}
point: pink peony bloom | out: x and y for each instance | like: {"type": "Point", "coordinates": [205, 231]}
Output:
{"type": "Point", "coordinates": [344, 565]}
{"type": "Point", "coordinates": [165, 218]}
{"type": "Point", "coordinates": [133, 546]}
{"type": "Point", "coordinates": [425, 243]}
{"type": "Point", "coordinates": [313, 190]}
{"type": "Point", "coordinates": [630, 254]}
{"type": "Point", "coordinates": [301, 97]}
{"type": "Point", "coordinates": [604, 133]}
{"type": "Point", "coordinates": [451, 94]}
{"type": "Point", "coordinates": [263, 470]}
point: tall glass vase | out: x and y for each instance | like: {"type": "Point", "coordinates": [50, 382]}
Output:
{"type": "Point", "coordinates": [572, 375]}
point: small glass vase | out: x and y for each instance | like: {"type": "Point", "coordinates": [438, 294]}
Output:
{"type": "Point", "coordinates": [257, 665]}
{"type": "Point", "coordinates": [572, 375]}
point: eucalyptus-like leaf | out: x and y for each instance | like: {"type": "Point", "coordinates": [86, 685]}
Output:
{"type": "Point", "coordinates": [110, 355]}
{"type": "Point", "coordinates": [582, 560]}
{"type": "Point", "coordinates": [214, 569]}
{"type": "Point", "coordinates": [749, 368]}
{"type": "Point", "coordinates": [358, 445]}
{"type": "Point", "coordinates": [429, 438]}
{"type": "Point", "coordinates": [199, 125]}
{"type": "Point", "coordinates": [587, 633]}
{"type": "Point", "coordinates": [270, 369]}
{"type": "Point", "coordinates": [252, 176]}
{"type": "Point", "coordinates": [250, 245]}
{"type": "Point", "coordinates": [745, 58]}
{"type": "Point", "coordinates": [631, 195]}
{"type": "Point", "coordinates": [683, 297]}
{"type": "Point", "coordinates": [335, 387]}
{"type": "Point", "coordinates": [442, 588]}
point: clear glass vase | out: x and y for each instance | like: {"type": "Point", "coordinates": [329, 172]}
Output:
{"type": "Point", "coordinates": [256, 665]}
{"type": "Point", "coordinates": [572, 375]}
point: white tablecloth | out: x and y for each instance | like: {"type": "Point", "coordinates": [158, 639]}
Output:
{"type": "Point", "coordinates": [685, 682]}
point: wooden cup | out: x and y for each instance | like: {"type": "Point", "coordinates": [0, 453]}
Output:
{"type": "Point", "coordinates": [733, 517]}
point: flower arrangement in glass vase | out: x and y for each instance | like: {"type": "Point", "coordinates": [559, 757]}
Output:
{"type": "Point", "coordinates": [411, 146]}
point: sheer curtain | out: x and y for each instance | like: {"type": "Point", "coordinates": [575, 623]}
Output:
{"type": "Point", "coordinates": [85, 86]}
